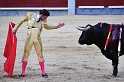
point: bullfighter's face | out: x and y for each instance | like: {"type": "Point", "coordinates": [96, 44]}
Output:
{"type": "Point", "coordinates": [42, 17]}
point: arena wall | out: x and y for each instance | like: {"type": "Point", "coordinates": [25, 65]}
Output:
{"type": "Point", "coordinates": [62, 7]}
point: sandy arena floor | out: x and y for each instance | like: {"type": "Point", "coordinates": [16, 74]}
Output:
{"type": "Point", "coordinates": [65, 59]}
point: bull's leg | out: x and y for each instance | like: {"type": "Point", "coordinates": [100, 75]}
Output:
{"type": "Point", "coordinates": [115, 68]}
{"type": "Point", "coordinates": [114, 56]}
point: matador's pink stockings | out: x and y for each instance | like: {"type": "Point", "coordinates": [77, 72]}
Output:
{"type": "Point", "coordinates": [24, 64]}
{"type": "Point", "coordinates": [42, 67]}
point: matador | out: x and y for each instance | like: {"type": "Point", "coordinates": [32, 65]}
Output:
{"type": "Point", "coordinates": [35, 23]}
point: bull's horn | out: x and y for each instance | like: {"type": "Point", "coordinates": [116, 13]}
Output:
{"type": "Point", "coordinates": [83, 28]}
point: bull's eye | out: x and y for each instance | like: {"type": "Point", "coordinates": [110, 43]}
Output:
{"type": "Point", "coordinates": [86, 32]}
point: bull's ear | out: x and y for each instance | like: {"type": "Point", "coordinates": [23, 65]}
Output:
{"type": "Point", "coordinates": [81, 28]}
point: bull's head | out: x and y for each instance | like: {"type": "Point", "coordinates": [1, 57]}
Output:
{"type": "Point", "coordinates": [87, 35]}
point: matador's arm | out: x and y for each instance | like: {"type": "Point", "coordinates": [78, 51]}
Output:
{"type": "Point", "coordinates": [25, 18]}
{"type": "Point", "coordinates": [46, 26]}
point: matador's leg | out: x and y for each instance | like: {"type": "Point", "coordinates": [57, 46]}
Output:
{"type": "Point", "coordinates": [38, 48]}
{"type": "Point", "coordinates": [27, 48]}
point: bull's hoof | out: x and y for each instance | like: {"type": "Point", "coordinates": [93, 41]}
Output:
{"type": "Point", "coordinates": [114, 75]}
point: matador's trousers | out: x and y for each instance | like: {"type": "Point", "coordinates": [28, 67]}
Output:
{"type": "Point", "coordinates": [33, 38]}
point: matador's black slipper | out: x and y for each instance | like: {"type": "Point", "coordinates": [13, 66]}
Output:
{"type": "Point", "coordinates": [21, 75]}
{"type": "Point", "coordinates": [45, 75]}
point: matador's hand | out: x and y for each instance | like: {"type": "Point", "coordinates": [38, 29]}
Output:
{"type": "Point", "coordinates": [13, 31]}
{"type": "Point", "coordinates": [61, 25]}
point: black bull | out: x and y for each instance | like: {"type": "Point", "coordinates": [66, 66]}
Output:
{"type": "Point", "coordinates": [98, 34]}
